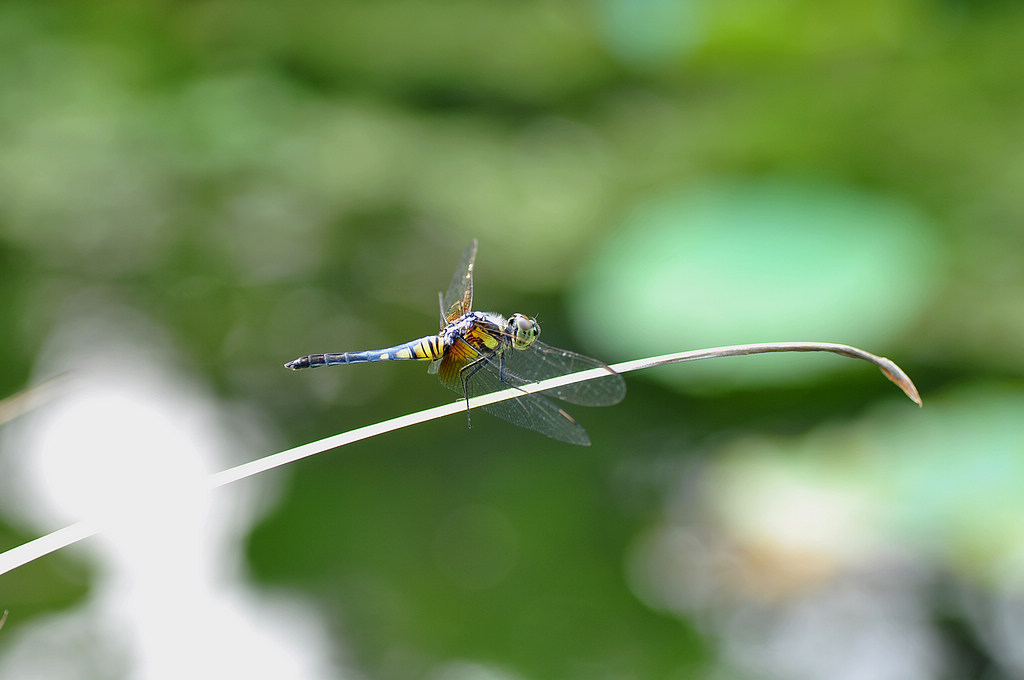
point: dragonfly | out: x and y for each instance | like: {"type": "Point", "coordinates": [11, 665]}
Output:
{"type": "Point", "coordinates": [478, 353]}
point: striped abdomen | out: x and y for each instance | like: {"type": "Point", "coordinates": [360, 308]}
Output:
{"type": "Point", "coordinates": [424, 349]}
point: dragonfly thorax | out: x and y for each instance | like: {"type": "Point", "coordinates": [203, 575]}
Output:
{"type": "Point", "coordinates": [487, 332]}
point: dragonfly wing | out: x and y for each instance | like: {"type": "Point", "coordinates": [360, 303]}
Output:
{"type": "Point", "coordinates": [457, 356]}
{"type": "Point", "coordinates": [538, 413]}
{"type": "Point", "coordinates": [531, 411]}
{"type": "Point", "coordinates": [459, 298]}
{"type": "Point", "coordinates": [540, 361]}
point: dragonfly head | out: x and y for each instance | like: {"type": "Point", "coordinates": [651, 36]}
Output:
{"type": "Point", "coordinates": [523, 330]}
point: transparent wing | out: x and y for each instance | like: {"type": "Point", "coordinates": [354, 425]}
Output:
{"type": "Point", "coordinates": [540, 361]}
{"type": "Point", "coordinates": [459, 298]}
{"type": "Point", "coordinates": [531, 411]}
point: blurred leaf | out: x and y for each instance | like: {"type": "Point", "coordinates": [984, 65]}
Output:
{"type": "Point", "coordinates": [946, 483]}
{"type": "Point", "coordinates": [757, 262]}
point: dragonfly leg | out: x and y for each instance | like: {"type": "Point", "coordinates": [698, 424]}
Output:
{"type": "Point", "coordinates": [471, 369]}
{"type": "Point", "coordinates": [467, 372]}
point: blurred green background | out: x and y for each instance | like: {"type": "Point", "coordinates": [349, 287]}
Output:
{"type": "Point", "coordinates": [255, 181]}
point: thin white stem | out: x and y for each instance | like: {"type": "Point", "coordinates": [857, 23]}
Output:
{"type": "Point", "coordinates": [44, 545]}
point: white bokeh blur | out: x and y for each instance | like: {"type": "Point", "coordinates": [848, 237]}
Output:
{"type": "Point", "coordinates": [128, 446]}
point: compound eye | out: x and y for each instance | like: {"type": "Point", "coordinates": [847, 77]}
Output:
{"type": "Point", "coordinates": [524, 331]}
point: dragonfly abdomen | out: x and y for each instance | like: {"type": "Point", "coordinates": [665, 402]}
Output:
{"type": "Point", "coordinates": [424, 349]}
